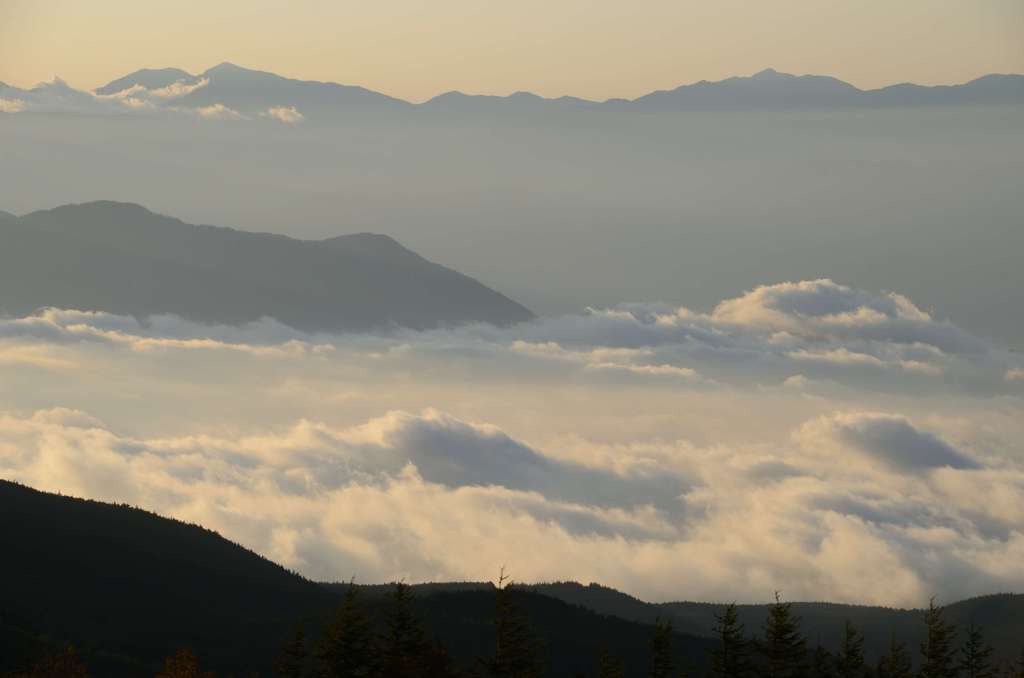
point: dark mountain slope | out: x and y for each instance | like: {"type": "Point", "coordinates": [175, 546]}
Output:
{"type": "Point", "coordinates": [124, 259]}
{"type": "Point", "coordinates": [129, 588]}
{"type": "Point", "coordinates": [1001, 617]}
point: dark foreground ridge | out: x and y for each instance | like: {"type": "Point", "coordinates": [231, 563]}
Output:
{"type": "Point", "coordinates": [122, 258]}
{"type": "Point", "coordinates": [128, 589]}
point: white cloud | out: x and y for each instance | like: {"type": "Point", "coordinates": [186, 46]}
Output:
{"type": "Point", "coordinates": [663, 451]}
{"type": "Point", "coordinates": [840, 356]}
{"type": "Point", "coordinates": [37, 356]}
{"type": "Point", "coordinates": [821, 309]}
{"type": "Point", "coordinates": [684, 373]}
{"type": "Point", "coordinates": [178, 89]}
{"type": "Point", "coordinates": [890, 439]}
{"type": "Point", "coordinates": [285, 114]}
{"type": "Point", "coordinates": [429, 496]}
{"type": "Point", "coordinates": [214, 112]}
{"type": "Point", "coordinates": [12, 105]}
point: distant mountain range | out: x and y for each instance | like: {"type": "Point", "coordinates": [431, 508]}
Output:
{"type": "Point", "coordinates": [228, 90]}
{"type": "Point", "coordinates": [129, 588]}
{"type": "Point", "coordinates": [124, 259]}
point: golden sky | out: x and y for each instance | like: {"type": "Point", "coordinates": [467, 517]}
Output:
{"type": "Point", "coordinates": [592, 48]}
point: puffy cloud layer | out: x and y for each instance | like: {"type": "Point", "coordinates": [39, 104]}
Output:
{"type": "Point", "coordinates": [427, 496]}
{"type": "Point", "coordinates": [804, 436]}
{"type": "Point", "coordinates": [817, 330]}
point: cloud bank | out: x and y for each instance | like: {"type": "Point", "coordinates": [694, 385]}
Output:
{"type": "Point", "coordinates": [802, 436]}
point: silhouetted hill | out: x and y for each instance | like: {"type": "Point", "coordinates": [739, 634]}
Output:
{"type": "Point", "coordinates": [767, 89]}
{"type": "Point", "coordinates": [1001, 617]}
{"type": "Point", "coordinates": [125, 259]}
{"type": "Point", "coordinates": [990, 89]}
{"type": "Point", "coordinates": [773, 90]}
{"type": "Point", "coordinates": [250, 91]}
{"type": "Point", "coordinates": [150, 78]}
{"type": "Point", "coordinates": [129, 588]}
{"type": "Point", "coordinates": [517, 103]}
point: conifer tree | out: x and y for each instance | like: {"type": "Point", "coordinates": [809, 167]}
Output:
{"type": "Point", "coordinates": [783, 647]}
{"type": "Point", "coordinates": [183, 664]}
{"type": "Point", "coordinates": [405, 650]}
{"type": "Point", "coordinates": [937, 654]}
{"type": "Point", "coordinates": [895, 663]}
{"type": "Point", "coordinates": [976, 655]}
{"type": "Point", "coordinates": [515, 649]}
{"type": "Point", "coordinates": [608, 665]}
{"type": "Point", "coordinates": [347, 649]}
{"type": "Point", "coordinates": [291, 662]}
{"type": "Point", "coordinates": [731, 659]}
{"type": "Point", "coordinates": [404, 643]}
{"type": "Point", "coordinates": [821, 662]}
{"type": "Point", "coordinates": [662, 661]}
{"type": "Point", "coordinates": [63, 664]}
{"type": "Point", "coordinates": [850, 661]}
{"type": "Point", "coordinates": [1017, 669]}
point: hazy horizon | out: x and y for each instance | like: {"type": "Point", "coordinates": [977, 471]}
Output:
{"type": "Point", "coordinates": [592, 50]}
{"type": "Point", "coordinates": [669, 85]}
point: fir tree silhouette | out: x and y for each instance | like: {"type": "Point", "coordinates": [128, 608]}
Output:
{"type": "Point", "coordinates": [63, 664]}
{"type": "Point", "coordinates": [937, 654]}
{"type": "Point", "coordinates": [895, 663]}
{"type": "Point", "coordinates": [291, 662]}
{"type": "Point", "coordinates": [346, 648]}
{"type": "Point", "coordinates": [782, 646]}
{"type": "Point", "coordinates": [662, 659]}
{"type": "Point", "coordinates": [822, 662]}
{"type": "Point", "coordinates": [850, 660]}
{"type": "Point", "coordinates": [405, 650]}
{"type": "Point", "coordinates": [183, 664]}
{"type": "Point", "coordinates": [609, 666]}
{"type": "Point", "coordinates": [515, 649]}
{"type": "Point", "coordinates": [731, 659]}
{"type": "Point", "coordinates": [976, 655]}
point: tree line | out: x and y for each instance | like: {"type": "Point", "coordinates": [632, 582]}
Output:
{"type": "Point", "coordinates": [781, 651]}
{"type": "Point", "coordinates": [355, 645]}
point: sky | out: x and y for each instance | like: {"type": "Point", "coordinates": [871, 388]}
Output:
{"type": "Point", "coordinates": [598, 49]}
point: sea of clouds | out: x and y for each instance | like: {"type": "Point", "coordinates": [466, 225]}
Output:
{"type": "Point", "coordinates": [830, 442]}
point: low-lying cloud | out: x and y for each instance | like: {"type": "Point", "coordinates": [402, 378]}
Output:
{"type": "Point", "coordinates": [11, 105]}
{"type": "Point", "coordinates": [803, 436]}
{"type": "Point", "coordinates": [286, 114]}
